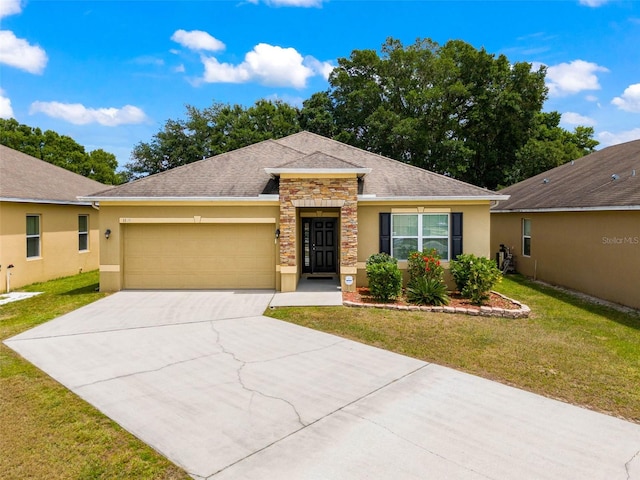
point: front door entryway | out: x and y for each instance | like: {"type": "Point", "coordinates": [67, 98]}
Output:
{"type": "Point", "coordinates": [319, 245]}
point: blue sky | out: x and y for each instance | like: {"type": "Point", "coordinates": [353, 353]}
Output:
{"type": "Point", "coordinates": [110, 73]}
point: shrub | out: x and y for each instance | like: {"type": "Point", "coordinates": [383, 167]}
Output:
{"type": "Point", "coordinates": [381, 258]}
{"type": "Point", "coordinates": [460, 269]}
{"type": "Point", "coordinates": [427, 291]}
{"type": "Point", "coordinates": [385, 278]}
{"type": "Point", "coordinates": [475, 276]}
{"type": "Point", "coordinates": [425, 264]}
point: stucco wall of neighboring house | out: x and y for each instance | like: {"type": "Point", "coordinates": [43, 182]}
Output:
{"type": "Point", "coordinates": [597, 253]}
{"type": "Point", "coordinates": [59, 255]}
{"type": "Point", "coordinates": [476, 226]}
{"type": "Point", "coordinates": [117, 215]}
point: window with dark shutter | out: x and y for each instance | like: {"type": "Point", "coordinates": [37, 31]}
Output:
{"type": "Point", "coordinates": [385, 233]}
{"type": "Point", "coordinates": [456, 235]}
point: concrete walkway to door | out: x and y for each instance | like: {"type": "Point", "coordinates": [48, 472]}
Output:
{"type": "Point", "coordinates": [227, 393]}
{"type": "Point", "coordinates": [319, 291]}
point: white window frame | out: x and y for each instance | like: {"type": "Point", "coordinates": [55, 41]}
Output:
{"type": "Point", "coordinates": [83, 234]}
{"type": "Point", "coordinates": [525, 237]}
{"type": "Point", "coordinates": [421, 239]}
{"type": "Point", "coordinates": [32, 236]}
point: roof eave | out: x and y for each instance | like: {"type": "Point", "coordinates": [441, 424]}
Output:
{"type": "Point", "coordinates": [431, 198]}
{"type": "Point", "coordinates": [80, 202]}
{"type": "Point", "coordinates": [259, 198]}
{"type": "Point", "coordinates": [604, 208]}
{"type": "Point", "coordinates": [274, 172]}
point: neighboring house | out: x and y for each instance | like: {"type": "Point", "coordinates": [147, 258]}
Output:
{"type": "Point", "coordinates": [578, 225]}
{"type": "Point", "coordinates": [265, 215]}
{"type": "Point", "coordinates": [45, 231]}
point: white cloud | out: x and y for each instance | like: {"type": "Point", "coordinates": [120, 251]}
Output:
{"type": "Point", "coordinates": [321, 68]}
{"type": "Point", "coordinates": [609, 138]}
{"type": "Point", "coordinates": [18, 53]}
{"type": "Point", "coordinates": [148, 60]}
{"type": "Point", "coordinates": [197, 40]}
{"type": "Point", "coordinates": [268, 64]}
{"type": "Point", "coordinates": [289, 3]}
{"type": "Point", "coordinates": [10, 7]}
{"type": "Point", "coordinates": [78, 114]}
{"type": "Point", "coordinates": [179, 69]}
{"type": "Point", "coordinates": [574, 77]}
{"type": "Point", "coordinates": [630, 99]}
{"type": "Point", "coordinates": [6, 111]}
{"type": "Point", "coordinates": [593, 3]}
{"type": "Point", "coordinates": [572, 118]}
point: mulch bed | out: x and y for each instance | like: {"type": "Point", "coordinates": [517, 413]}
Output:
{"type": "Point", "coordinates": [363, 295]}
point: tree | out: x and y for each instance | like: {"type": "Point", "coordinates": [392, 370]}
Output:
{"type": "Point", "coordinates": [211, 131]}
{"type": "Point", "coordinates": [60, 150]}
{"type": "Point", "coordinates": [549, 146]}
{"type": "Point", "coordinates": [451, 109]}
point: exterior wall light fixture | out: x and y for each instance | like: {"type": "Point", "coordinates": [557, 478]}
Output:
{"type": "Point", "coordinates": [107, 233]}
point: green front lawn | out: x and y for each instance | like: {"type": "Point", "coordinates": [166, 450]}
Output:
{"type": "Point", "coordinates": [45, 430]}
{"type": "Point", "coordinates": [569, 349]}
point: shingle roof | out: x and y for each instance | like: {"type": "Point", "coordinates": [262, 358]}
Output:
{"type": "Point", "coordinates": [604, 179]}
{"type": "Point", "coordinates": [240, 173]}
{"type": "Point", "coordinates": [319, 160]}
{"type": "Point", "coordinates": [23, 177]}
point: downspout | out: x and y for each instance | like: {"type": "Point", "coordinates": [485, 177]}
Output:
{"type": "Point", "coordinates": [95, 205]}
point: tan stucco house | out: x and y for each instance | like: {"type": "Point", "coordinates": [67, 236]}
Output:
{"type": "Point", "coordinates": [578, 225]}
{"type": "Point", "coordinates": [45, 231]}
{"type": "Point", "coordinates": [267, 214]}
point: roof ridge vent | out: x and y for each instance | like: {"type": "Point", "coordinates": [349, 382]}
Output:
{"type": "Point", "coordinates": [633, 172]}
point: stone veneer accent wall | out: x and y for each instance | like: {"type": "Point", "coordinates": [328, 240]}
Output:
{"type": "Point", "coordinates": [319, 193]}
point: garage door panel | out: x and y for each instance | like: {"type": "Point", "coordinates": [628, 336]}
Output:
{"type": "Point", "coordinates": [199, 256]}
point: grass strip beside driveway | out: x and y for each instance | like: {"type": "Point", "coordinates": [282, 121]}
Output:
{"type": "Point", "coordinates": [46, 431]}
{"type": "Point", "coordinates": [569, 349]}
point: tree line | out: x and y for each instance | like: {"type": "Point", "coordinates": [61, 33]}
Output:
{"type": "Point", "coordinates": [60, 150]}
{"type": "Point", "coordinates": [451, 109]}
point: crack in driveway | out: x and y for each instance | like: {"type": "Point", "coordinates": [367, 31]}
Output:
{"type": "Point", "coordinates": [327, 415]}
{"type": "Point", "coordinates": [627, 466]}
{"type": "Point", "coordinates": [151, 370]}
{"type": "Point", "coordinates": [244, 363]}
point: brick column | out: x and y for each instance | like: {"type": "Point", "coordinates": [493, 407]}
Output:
{"type": "Point", "coordinates": [341, 192]}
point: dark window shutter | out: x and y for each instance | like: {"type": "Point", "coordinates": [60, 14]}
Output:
{"type": "Point", "coordinates": [456, 235]}
{"type": "Point", "coordinates": [385, 233]}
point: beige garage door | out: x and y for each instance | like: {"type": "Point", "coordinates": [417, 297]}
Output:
{"type": "Point", "coordinates": [212, 256]}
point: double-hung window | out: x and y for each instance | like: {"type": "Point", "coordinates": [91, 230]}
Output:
{"type": "Point", "coordinates": [526, 237]}
{"type": "Point", "coordinates": [83, 232]}
{"type": "Point", "coordinates": [33, 236]}
{"type": "Point", "coordinates": [418, 232]}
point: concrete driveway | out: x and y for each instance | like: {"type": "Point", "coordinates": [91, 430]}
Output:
{"type": "Point", "coordinates": [226, 393]}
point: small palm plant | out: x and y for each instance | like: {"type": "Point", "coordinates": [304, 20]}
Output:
{"type": "Point", "coordinates": [427, 291]}
{"type": "Point", "coordinates": [426, 279]}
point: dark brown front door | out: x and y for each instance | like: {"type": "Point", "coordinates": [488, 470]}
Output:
{"type": "Point", "coordinates": [319, 245]}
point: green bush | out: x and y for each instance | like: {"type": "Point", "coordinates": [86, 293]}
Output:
{"type": "Point", "coordinates": [460, 269]}
{"type": "Point", "coordinates": [381, 258]}
{"type": "Point", "coordinates": [475, 276]}
{"type": "Point", "coordinates": [427, 291]}
{"type": "Point", "coordinates": [385, 278]}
